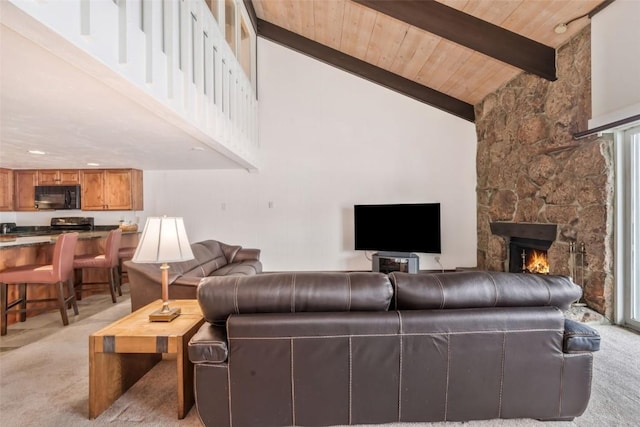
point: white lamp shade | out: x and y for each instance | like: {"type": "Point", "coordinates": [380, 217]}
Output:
{"type": "Point", "coordinates": [164, 239]}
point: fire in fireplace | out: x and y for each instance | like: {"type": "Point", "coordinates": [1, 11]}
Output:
{"type": "Point", "coordinates": [536, 262]}
{"type": "Point", "coordinates": [528, 256]}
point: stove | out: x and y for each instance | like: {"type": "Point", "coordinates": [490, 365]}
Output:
{"type": "Point", "coordinates": [72, 223]}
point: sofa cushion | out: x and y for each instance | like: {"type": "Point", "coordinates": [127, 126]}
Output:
{"type": "Point", "coordinates": [579, 338]}
{"type": "Point", "coordinates": [245, 268]}
{"type": "Point", "coordinates": [292, 292]}
{"type": "Point", "coordinates": [470, 289]}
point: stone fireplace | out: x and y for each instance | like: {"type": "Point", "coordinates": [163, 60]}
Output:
{"type": "Point", "coordinates": [530, 171]}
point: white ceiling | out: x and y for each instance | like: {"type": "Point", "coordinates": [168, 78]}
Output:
{"type": "Point", "coordinates": [50, 105]}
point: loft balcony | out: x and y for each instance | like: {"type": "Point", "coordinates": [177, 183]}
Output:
{"type": "Point", "coordinates": [170, 57]}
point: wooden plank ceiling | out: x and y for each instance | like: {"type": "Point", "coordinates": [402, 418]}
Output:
{"type": "Point", "coordinates": [461, 73]}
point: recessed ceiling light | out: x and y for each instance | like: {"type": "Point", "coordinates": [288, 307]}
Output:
{"type": "Point", "coordinates": [37, 152]}
{"type": "Point", "coordinates": [93, 164]}
{"type": "Point", "coordinates": [560, 28]}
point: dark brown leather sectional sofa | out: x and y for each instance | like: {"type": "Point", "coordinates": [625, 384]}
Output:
{"type": "Point", "coordinates": [319, 349]}
{"type": "Point", "coordinates": [212, 258]}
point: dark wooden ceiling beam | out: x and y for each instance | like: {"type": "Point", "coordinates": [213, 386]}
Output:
{"type": "Point", "coordinates": [251, 11]}
{"type": "Point", "coordinates": [473, 33]}
{"type": "Point", "coordinates": [599, 8]}
{"type": "Point", "coordinates": [365, 70]}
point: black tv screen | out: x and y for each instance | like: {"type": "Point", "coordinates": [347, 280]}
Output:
{"type": "Point", "coordinates": [398, 228]}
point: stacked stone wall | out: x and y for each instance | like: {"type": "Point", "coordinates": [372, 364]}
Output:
{"type": "Point", "coordinates": [530, 170]}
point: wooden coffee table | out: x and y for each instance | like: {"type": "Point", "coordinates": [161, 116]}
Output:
{"type": "Point", "coordinates": [121, 353]}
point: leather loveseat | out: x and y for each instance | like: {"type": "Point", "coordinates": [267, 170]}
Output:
{"type": "Point", "coordinates": [212, 258]}
{"type": "Point", "coordinates": [322, 349]}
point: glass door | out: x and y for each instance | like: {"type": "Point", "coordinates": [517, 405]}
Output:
{"type": "Point", "coordinates": [631, 228]}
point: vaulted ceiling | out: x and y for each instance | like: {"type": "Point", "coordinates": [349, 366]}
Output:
{"type": "Point", "coordinates": [449, 54]}
{"type": "Point", "coordinates": [446, 53]}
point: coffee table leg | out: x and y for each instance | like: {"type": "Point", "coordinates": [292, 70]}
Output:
{"type": "Point", "coordinates": [111, 374]}
{"type": "Point", "coordinates": [185, 378]}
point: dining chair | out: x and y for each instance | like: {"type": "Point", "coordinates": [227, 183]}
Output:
{"type": "Point", "coordinates": [124, 254]}
{"type": "Point", "coordinates": [108, 260]}
{"type": "Point", "coordinates": [57, 273]}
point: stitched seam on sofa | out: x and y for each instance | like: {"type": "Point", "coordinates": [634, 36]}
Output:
{"type": "Point", "coordinates": [349, 285]}
{"type": "Point", "coordinates": [446, 391]}
{"type": "Point", "coordinates": [495, 288]}
{"type": "Point", "coordinates": [410, 334]}
{"type": "Point", "coordinates": [441, 291]}
{"type": "Point", "coordinates": [400, 376]}
{"type": "Point", "coordinates": [293, 293]}
{"type": "Point", "coordinates": [229, 394]}
{"type": "Point", "coordinates": [228, 380]}
{"type": "Point", "coordinates": [293, 387]}
{"type": "Point", "coordinates": [548, 293]}
{"type": "Point", "coordinates": [590, 372]}
{"type": "Point", "coordinates": [396, 290]}
{"type": "Point", "coordinates": [350, 380]}
{"type": "Point", "coordinates": [569, 352]}
{"type": "Point", "coordinates": [235, 294]}
{"type": "Point", "coordinates": [504, 344]}
{"type": "Point", "coordinates": [561, 388]}
{"type": "Point", "coordinates": [195, 395]}
{"type": "Point", "coordinates": [569, 355]}
{"type": "Point", "coordinates": [581, 334]}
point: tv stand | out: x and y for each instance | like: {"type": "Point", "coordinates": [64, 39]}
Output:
{"type": "Point", "coordinates": [387, 262]}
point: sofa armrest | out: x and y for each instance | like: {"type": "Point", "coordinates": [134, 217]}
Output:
{"type": "Point", "coordinates": [247, 254]}
{"type": "Point", "coordinates": [209, 345]}
{"type": "Point", "coordinates": [579, 338]}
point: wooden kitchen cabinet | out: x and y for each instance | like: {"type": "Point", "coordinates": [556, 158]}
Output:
{"type": "Point", "coordinates": [58, 177]}
{"type": "Point", "coordinates": [6, 189]}
{"type": "Point", "coordinates": [111, 190]}
{"type": "Point", "coordinates": [25, 182]}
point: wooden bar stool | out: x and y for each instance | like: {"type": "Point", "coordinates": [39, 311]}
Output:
{"type": "Point", "coordinates": [125, 253]}
{"type": "Point", "coordinates": [60, 271]}
{"type": "Point", "coordinates": [108, 260]}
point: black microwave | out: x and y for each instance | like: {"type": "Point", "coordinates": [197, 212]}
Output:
{"type": "Point", "coordinates": [57, 197]}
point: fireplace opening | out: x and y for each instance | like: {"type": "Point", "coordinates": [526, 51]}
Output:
{"type": "Point", "coordinates": [528, 255]}
{"type": "Point", "coordinates": [528, 245]}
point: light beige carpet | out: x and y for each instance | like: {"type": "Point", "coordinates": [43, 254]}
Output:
{"type": "Point", "coordinates": [46, 384]}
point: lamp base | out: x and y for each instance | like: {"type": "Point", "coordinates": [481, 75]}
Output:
{"type": "Point", "coordinates": [167, 316]}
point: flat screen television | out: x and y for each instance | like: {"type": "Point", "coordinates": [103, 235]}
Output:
{"type": "Point", "coordinates": [398, 228]}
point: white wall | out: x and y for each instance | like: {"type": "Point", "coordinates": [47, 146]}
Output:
{"type": "Point", "coordinates": [329, 140]}
{"type": "Point", "coordinates": [615, 62]}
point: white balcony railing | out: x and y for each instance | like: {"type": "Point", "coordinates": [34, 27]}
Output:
{"type": "Point", "coordinates": [172, 51]}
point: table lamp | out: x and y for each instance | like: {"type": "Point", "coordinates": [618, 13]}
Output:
{"type": "Point", "coordinates": [163, 240]}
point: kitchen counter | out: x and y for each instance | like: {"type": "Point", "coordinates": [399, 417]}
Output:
{"type": "Point", "coordinates": [36, 238]}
